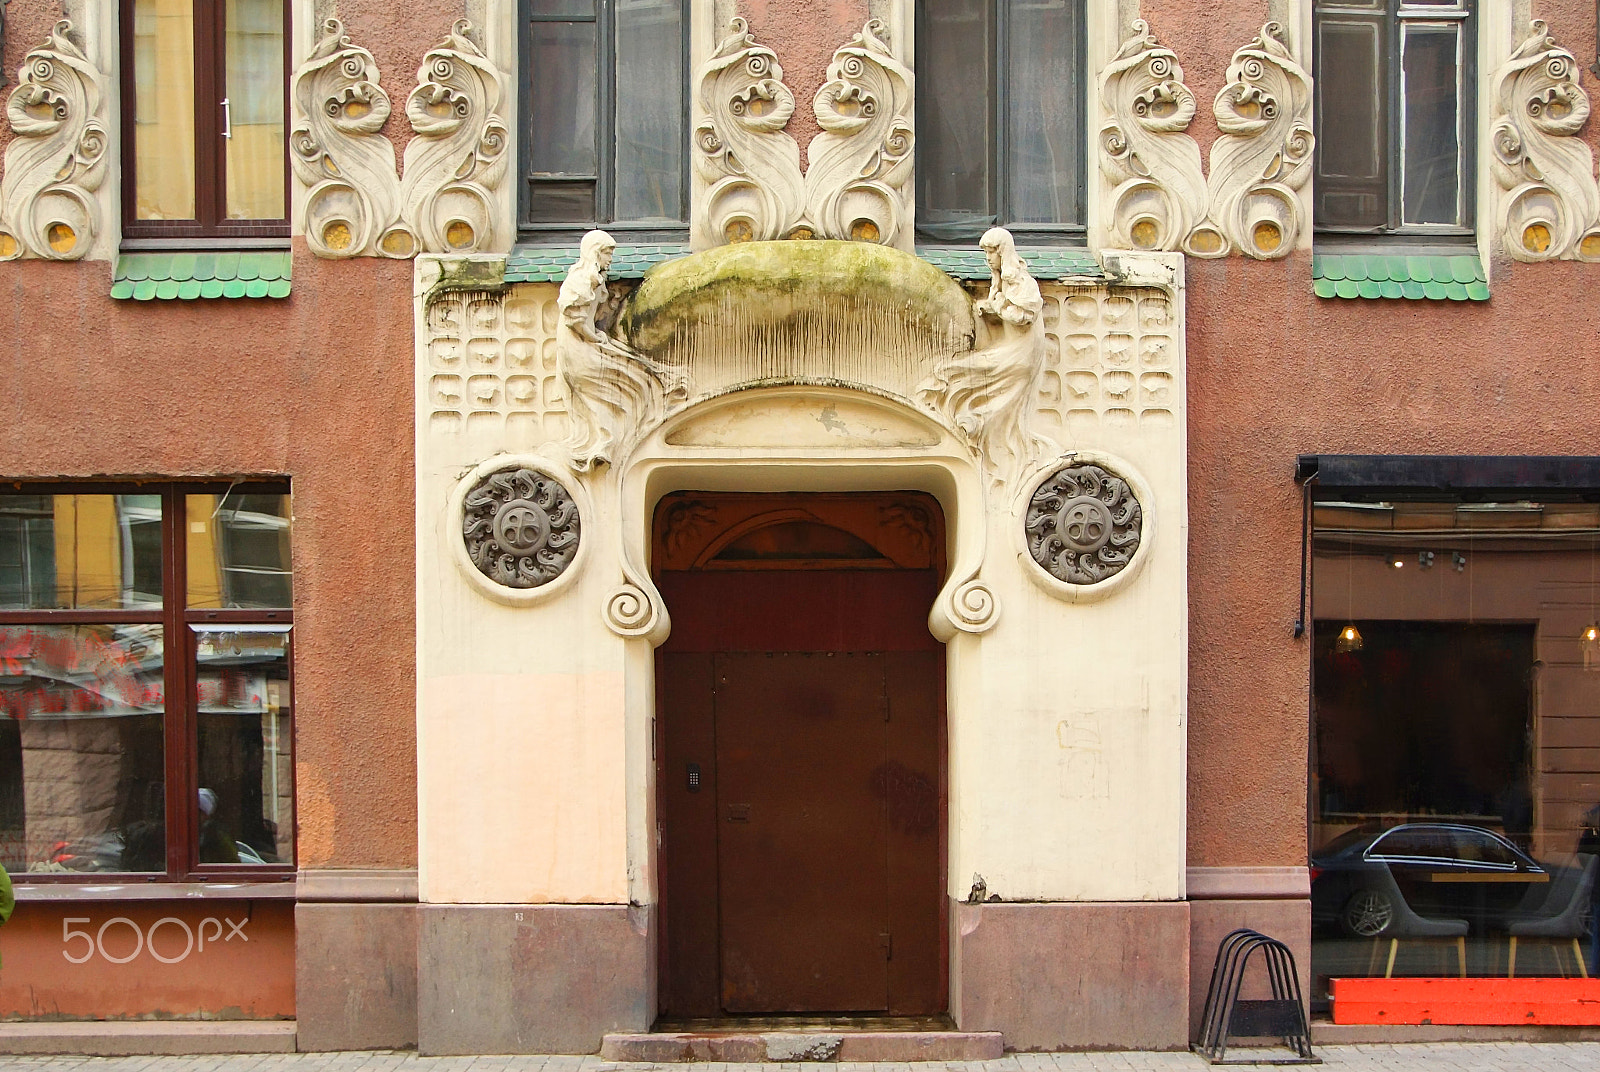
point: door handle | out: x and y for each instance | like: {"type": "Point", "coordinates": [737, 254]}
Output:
{"type": "Point", "coordinates": [227, 118]}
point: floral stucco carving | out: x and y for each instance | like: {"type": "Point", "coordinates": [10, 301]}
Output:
{"type": "Point", "coordinates": [1262, 156]}
{"type": "Point", "coordinates": [57, 161]}
{"type": "Point", "coordinates": [351, 201]}
{"type": "Point", "coordinates": [1549, 202]}
{"type": "Point", "coordinates": [1083, 524]}
{"type": "Point", "coordinates": [988, 394]}
{"type": "Point", "coordinates": [612, 390]}
{"type": "Point", "coordinates": [456, 164]}
{"type": "Point", "coordinates": [521, 527]}
{"type": "Point", "coordinates": [859, 175]}
{"type": "Point", "coordinates": [1145, 147]}
{"type": "Point", "coordinates": [748, 165]}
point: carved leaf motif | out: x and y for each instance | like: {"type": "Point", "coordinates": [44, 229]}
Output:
{"type": "Point", "coordinates": [1145, 148]}
{"type": "Point", "coordinates": [455, 164]}
{"type": "Point", "coordinates": [750, 167]}
{"type": "Point", "coordinates": [53, 167]}
{"type": "Point", "coordinates": [351, 205]}
{"type": "Point", "coordinates": [860, 165]}
{"type": "Point", "coordinates": [1262, 157]}
{"type": "Point", "coordinates": [1550, 207]}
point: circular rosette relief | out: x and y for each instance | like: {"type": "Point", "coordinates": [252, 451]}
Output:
{"type": "Point", "coordinates": [1084, 524]}
{"type": "Point", "coordinates": [520, 527]}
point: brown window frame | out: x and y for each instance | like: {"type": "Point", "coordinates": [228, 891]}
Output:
{"type": "Point", "coordinates": [180, 721]}
{"type": "Point", "coordinates": [210, 227]}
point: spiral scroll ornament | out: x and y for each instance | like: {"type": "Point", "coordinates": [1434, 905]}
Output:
{"type": "Point", "coordinates": [1083, 524]}
{"type": "Point", "coordinates": [521, 527]}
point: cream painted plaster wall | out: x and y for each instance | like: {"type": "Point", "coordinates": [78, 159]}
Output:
{"type": "Point", "coordinates": [1066, 706]}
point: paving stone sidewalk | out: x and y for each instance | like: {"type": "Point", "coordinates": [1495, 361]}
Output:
{"type": "Point", "coordinates": [1422, 1057]}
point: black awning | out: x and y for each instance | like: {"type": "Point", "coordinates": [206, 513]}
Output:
{"type": "Point", "coordinates": [1472, 475]}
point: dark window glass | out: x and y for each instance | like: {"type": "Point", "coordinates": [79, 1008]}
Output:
{"type": "Point", "coordinates": [605, 95]}
{"type": "Point", "coordinates": [999, 140]}
{"type": "Point", "coordinates": [1394, 94]}
{"type": "Point", "coordinates": [1456, 732]}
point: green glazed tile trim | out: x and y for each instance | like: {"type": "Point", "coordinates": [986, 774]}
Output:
{"type": "Point", "coordinates": [1372, 275]}
{"type": "Point", "coordinates": [186, 276]}
{"type": "Point", "coordinates": [549, 264]}
{"type": "Point", "coordinates": [1044, 262]}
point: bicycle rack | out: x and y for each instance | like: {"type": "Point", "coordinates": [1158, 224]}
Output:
{"type": "Point", "coordinates": [1227, 1017]}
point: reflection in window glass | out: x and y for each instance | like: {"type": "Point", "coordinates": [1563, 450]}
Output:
{"type": "Point", "coordinates": [238, 552]}
{"type": "Point", "coordinates": [163, 130]}
{"type": "Point", "coordinates": [649, 122]}
{"type": "Point", "coordinates": [254, 65]}
{"type": "Point", "coordinates": [1431, 101]}
{"type": "Point", "coordinates": [81, 757]}
{"type": "Point", "coordinates": [1044, 132]}
{"type": "Point", "coordinates": [954, 140]}
{"type": "Point", "coordinates": [1455, 779]}
{"type": "Point", "coordinates": [86, 552]}
{"type": "Point", "coordinates": [245, 720]}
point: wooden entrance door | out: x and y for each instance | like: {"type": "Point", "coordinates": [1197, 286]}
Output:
{"type": "Point", "coordinates": [799, 755]}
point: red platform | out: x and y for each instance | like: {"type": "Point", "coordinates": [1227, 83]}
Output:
{"type": "Point", "coordinates": [1466, 1001]}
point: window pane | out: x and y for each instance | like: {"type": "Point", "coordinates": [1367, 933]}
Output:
{"type": "Point", "coordinates": [954, 76]}
{"type": "Point", "coordinates": [244, 728]}
{"type": "Point", "coordinates": [1043, 110]}
{"type": "Point", "coordinates": [99, 552]}
{"type": "Point", "coordinates": [1456, 705]}
{"type": "Point", "coordinates": [649, 111]}
{"type": "Point", "coordinates": [562, 7]}
{"type": "Point", "coordinates": [1431, 105]}
{"type": "Point", "coordinates": [163, 118]}
{"type": "Point", "coordinates": [562, 98]}
{"type": "Point", "coordinates": [255, 80]}
{"type": "Point", "coordinates": [1350, 103]}
{"type": "Point", "coordinates": [82, 780]}
{"type": "Point", "coordinates": [238, 552]}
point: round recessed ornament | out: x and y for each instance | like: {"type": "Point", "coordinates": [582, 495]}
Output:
{"type": "Point", "coordinates": [520, 527]}
{"type": "Point", "coordinates": [1084, 524]}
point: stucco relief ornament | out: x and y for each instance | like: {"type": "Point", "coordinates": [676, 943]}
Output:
{"type": "Point", "coordinates": [1550, 207]}
{"type": "Point", "coordinates": [612, 390]}
{"type": "Point", "coordinates": [521, 527]}
{"type": "Point", "coordinates": [57, 161]}
{"type": "Point", "coordinates": [1145, 147]}
{"type": "Point", "coordinates": [457, 161]}
{"type": "Point", "coordinates": [987, 394]}
{"type": "Point", "coordinates": [351, 205]}
{"type": "Point", "coordinates": [857, 182]}
{"type": "Point", "coordinates": [748, 163]}
{"type": "Point", "coordinates": [1083, 524]}
{"type": "Point", "coordinates": [1262, 157]}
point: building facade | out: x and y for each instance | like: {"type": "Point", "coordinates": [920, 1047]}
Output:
{"type": "Point", "coordinates": [685, 510]}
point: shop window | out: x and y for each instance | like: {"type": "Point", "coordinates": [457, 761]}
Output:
{"type": "Point", "coordinates": [604, 93]}
{"type": "Point", "coordinates": [146, 696]}
{"type": "Point", "coordinates": [1395, 120]}
{"type": "Point", "coordinates": [1455, 753]}
{"type": "Point", "coordinates": [1000, 113]}
{"type": "Point", "coordinates": [205, 91]}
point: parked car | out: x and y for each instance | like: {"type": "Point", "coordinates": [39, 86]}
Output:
{"type": "Point", "coordinates": [1443, 870]}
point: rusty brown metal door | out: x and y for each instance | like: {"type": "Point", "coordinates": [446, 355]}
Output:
{"type": "Point", "coordinates": [802, 858]}
{"type": "Point", "coordinates": [799, 756]}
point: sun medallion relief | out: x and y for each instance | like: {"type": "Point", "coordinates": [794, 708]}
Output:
{"type": "Point", "coordinates": [521, 527]}
{"type": "Point", "coordinates": [1084, 524]}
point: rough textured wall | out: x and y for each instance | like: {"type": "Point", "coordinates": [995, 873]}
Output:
{"type": "Point", "coordinates": [804, 36]}
{"type": "Point", "coordinates": [317, 386]}
{"type": "Point", "coordinates": [1275, 372]}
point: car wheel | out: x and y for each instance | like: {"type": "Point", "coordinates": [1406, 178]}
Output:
{"type": "Point", "coordinates": [1366, 914]}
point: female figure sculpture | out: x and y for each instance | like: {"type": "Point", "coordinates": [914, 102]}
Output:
{"type": "Point", "coordinates": [612, 390]}
{"type": "Point", "coordinates": [989, 392]}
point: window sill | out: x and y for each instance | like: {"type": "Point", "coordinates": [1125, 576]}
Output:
{"type": "Point", "coordinates": [189, 275]}
{"type": "Point", "coordinates": [283, 890]}
{"type": "Point", "coordinates": [549, 264]}
{"type": "Point", "coordinates": [1044, 262]}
